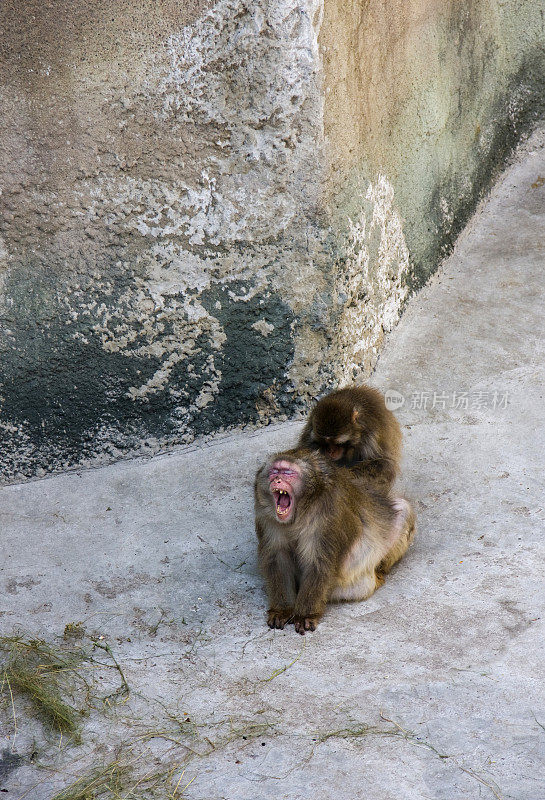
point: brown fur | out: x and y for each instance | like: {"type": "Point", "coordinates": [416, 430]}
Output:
{"type": "Point", "coordinates": [337, 545]}
{"type": "Point", "coordinates": [359, 415]}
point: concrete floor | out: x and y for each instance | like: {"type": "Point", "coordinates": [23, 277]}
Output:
{"type": "Point", "coordinates": [433, 688]}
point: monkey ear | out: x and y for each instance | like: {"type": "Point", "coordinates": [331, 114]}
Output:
{"type": "Point", "coordinates": [355, 415]}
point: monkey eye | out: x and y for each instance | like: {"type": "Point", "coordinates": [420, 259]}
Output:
{"type": "Point", "coordinates": [283, 471]}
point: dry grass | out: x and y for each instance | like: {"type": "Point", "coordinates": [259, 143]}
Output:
{"type": "Point", "coordinates": [131, 778]}
{"type": "Point", "coordinates": [157, 750]}
{"type": "Point", "coordinates": [45, 675]}
{"type": "Point", "coordinates": [117, 781]}
{"type": "Point", "coordinates": [58, 679]}
{"type": "Point", "coordinates": [103, 781]}
{"type": "Point", "coordinates": [156, 745]}
{"type": "Point", "coordinates": [153, 745]}
{"type": "Point", "coordinates": [359, 730]}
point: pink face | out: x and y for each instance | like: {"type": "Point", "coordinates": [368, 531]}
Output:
{"type": "Point", "coordinates": [285, 486]}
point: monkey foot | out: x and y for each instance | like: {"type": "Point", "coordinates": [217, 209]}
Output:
{"type": "Point", "coordinates": [277, 617]}
{"type": "Point", "coordinates": [380, 576]}
{"type": "Point", "coordinates": [304, 624]}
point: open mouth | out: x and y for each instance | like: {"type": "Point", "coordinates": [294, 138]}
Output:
{"type": "Point", "coordinates": [282, 502]}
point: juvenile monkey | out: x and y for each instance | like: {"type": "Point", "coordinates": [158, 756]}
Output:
{"type": "Point", "coordinates": [322, 536]}
{"type": "Point", "coordinates": [354, 428]}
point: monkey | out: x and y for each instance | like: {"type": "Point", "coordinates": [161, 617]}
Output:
{"type": "Point", "coordinates": [354, 428]}
{"type": "Point", "coordinates": [322, 536]}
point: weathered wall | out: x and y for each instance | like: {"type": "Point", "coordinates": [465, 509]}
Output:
{"type": "Point", "coordinates": [424, 101]}
{"type": "Point", "coordinates": [213, 210]}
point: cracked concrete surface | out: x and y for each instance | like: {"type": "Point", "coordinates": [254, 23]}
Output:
{"type": "Point", "coordinates": [444, 664]}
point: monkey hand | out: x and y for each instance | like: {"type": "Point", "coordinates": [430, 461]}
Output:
{"type": "Point", "coordinates": [305, 623]}
{"type": "Point", "coordinates": [277, 617]}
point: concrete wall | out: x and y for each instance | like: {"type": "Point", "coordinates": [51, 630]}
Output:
{"type": "Point", "coordinates": [424, 101]}
{"type": "Point", "coordinates": [213, 211]}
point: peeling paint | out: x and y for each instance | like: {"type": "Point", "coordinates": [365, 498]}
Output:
{"type": "Point", "coordinates": [211, 214]}
{"type": "Point", "coordinates": [266, 101]}
{"type": "Point", "coordinates": [263, 327]}
{"type": "Point", "coordinates": [371, 285]}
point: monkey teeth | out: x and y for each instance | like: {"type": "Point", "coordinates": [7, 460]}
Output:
{"type": "Point", "coordinates": [283, 502]}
